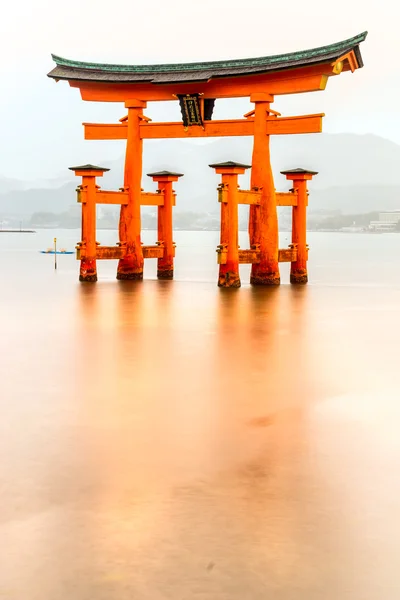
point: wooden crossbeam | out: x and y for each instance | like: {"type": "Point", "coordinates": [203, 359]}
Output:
{"type": "Point", "coordinates": [103, 252]}
{"type": "Point", "coordinates": [249, 197]}
{"type": "Point", "coordinates": [253, 256]}
{"type": "Point", "coordinates": [223, 128]}
{"type": "Point", "coordinates": [289, 81]}
{"type": "Point", "coordinates": [121, 198]}
{"type": "Point", "coordinates": [234, 127]}
{"type": "Point", "coordinates": [117, 252]}
{"type": "Point", "coordinates": [98, 131]}
{"type": "Point", "coordinates": [293, 125]}
{"type": "Point", "coordinates": [287, 255]}
{"type": "Point", "coordinates": [153, 251]}
{"type": "Point", "coordinates": [286, 199]}
{"type": "Point", "coordinates": [247, 257]}
{"type": "Point", "coordinates": [151, 199]}
{"type": "Point", "coordinates": [105, 197]}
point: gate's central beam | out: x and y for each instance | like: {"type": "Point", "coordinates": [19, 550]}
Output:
{"type": "Point", "coordinates": [234, 127]}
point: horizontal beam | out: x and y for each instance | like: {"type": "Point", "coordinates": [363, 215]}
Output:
{"type": "Point", "coordinates": [117, 252]}
{"type": "Point", "coordinates": [103, 252]}
{"type": "Point", "coordinates": [122, 198]}
{"type": "Point", "coordinates": [227, 128]}
{"type": "Point", "coordinates": [151, 199]}
{"type": "Point", "coordinates": [253, 256]}
{"type": "Point", "coordinates": [286, 198]}
{"type": "Point", "coordinates": [107, 131]}
{"type": "Point", "coordinates": [287, 255]}
{"type": "Point", "coordinates": [221, 128]}
{"type": "Point", "coordinates": [249, 197]}
{"type": "Point", "coordinates": [247, 257]}
{"type": "Point", "coordinates": [153, 251]}
{"type": "Point", "coordinates": [289, 81]}
{"type": "Point", "coordinates": [294, 125]}
{"type": "Point", "coordinates": [105, 197]}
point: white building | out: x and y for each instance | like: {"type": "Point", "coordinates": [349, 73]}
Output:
{"type": "Point", "coordinates": [387, 221]}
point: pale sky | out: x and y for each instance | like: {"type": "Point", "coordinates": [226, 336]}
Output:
{"type": "Point", "coordinates": [41, 120]}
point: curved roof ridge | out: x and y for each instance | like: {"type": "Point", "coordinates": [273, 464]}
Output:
{"type": "Point", "coordinates": [230, 63]}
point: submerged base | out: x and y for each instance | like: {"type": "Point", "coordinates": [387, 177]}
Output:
{"type": "Point", "coordinates": [299, 278]}
{"type": "Point", "coordinates": [88, 270]}
{"type": "Point", "coordinates": [126, 276]}
{"type": "Point", "coordinates": [165, 274]}
{"type": "Point", "coordinates": [229, 280]}
{"type": "Point", "coordinates": [130, 268]}
{"type": "Point", "coordinates": [88, 277]}
{"type": "Point", "coordinates": [265, 279]}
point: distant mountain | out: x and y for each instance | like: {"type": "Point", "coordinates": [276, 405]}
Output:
{"type": "Point", "coordinates": [22, 203]}
{"type": "Point", "coordinates": [357, 173]}
{"type": "Point", "coordinates": [356, 199]}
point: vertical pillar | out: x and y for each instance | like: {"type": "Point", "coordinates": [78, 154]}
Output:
{"type": "Point", "coordinates": [263, 220]}
{"type": "Point", "coordinates": [165, 265]}
{"type": "Point", "coordinates": [87, 196]}
{"type": "Point", "coordinates": [131, 266]}
{"type": "Point", "coordinates": [298, 268]}
{"type": "Point", "coordinates": [229, 240]}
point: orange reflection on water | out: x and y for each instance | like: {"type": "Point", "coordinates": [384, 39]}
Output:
{"type": "Point", "coordinates": [178, 441]}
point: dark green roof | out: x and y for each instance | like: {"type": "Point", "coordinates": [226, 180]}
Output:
{"type": "Point", "coordinates": [165, 174]}
{"type": "Point", "coordinates": [199, 71]}
{"type": "Point", "coordinates": [299, 172]}
{"type": "Point", "coordinates": [228, 164]}
{"type": "Point", "coordinates": [88, 167]}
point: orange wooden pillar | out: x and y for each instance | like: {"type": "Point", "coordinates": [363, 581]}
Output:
{"type": "Point", "coordinates": [87, 197]}
{"type": "Point", "coordinates": [229, 240]}
{"type": "Point", "coordinates": [298, 269]}
{"type": "Point", "coordinates": [131, 266]}
{"type": "Point", "coordinates": [263, 220]}
{"type": "Point", "coordinates": [165, 265]}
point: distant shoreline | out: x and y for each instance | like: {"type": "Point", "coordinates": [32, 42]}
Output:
{"type": "Point", "coordinates": [17, 231]}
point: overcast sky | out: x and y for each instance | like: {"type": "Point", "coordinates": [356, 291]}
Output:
{"type": "Point", "coordinates": [41, 120]}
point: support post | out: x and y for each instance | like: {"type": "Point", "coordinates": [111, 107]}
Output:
{"type": "Point", "coordinates": [263, 219]}
{"type": "Point", "coordinates": [298, 269]}
{"type": "Point", "coordinates": [88, 270]}
{"type": "Point", "coordinates": [131, 266]}
{"type": "Point", "coordinates": [165, 265]}
{"type": "Point", "coordinates": [229, 240]}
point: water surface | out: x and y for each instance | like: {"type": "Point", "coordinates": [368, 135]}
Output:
{"type": "Point", "coordinates": [170, 440]}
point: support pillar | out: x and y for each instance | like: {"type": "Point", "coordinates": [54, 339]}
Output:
{"type": "Point", "coordinates": [131, 266]}
{"type": "Point", "coordinates": [263, 219]}
{"type": "Point", "coordinates": [229, 240]}
{"type": "Point", "coordinates": [298, 269]}
{"type": "Point", "coordinates": [87, 197]}
{"type": "Point", "coordinates": [165, 265]}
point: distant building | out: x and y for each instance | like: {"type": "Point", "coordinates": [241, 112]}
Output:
{"type": "Point", "coordinates": [388, 221]}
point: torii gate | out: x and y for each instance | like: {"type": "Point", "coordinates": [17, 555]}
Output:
{"type": "Point", "coordinates": [197, 86]}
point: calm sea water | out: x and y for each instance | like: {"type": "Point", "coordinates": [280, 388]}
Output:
{"type": "Point", "coordinates": [170, 440]}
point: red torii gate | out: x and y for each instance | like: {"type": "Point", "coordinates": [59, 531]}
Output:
{"type": "Point", "coordinates": [197, 86]}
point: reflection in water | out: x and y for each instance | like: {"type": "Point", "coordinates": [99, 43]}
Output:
{"type": "Point", "coordinates": [173, 440]}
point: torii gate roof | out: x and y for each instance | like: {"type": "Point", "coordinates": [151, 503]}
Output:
{"type": "Point", "coordinates": [205, 71]}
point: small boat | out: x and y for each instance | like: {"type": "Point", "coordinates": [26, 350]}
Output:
{"type": "Point", "coordinates": [51, 251]}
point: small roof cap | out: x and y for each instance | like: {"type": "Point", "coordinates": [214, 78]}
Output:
{"type": "Point", "coordinates": [299, 172]}
{"type": "Point", "coordinates": [229, 163]}
{"type": "Point", "coordinates": [164, 174]}
{"type": "Point", "coordinates": [88, 168]}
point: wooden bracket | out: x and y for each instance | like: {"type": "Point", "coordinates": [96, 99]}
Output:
{"type": "Point", "coordinates": [222, 254]}
{"type": "Point", "coordinates": [222, 192]}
